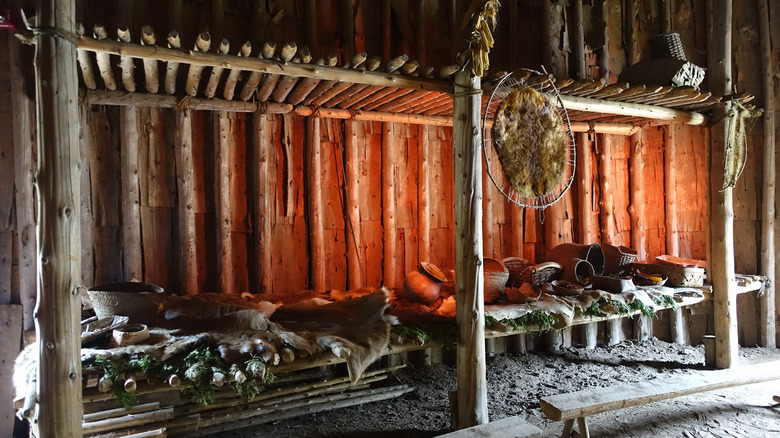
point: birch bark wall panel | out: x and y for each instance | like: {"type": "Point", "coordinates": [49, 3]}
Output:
{"type": "Point", "coordinates": [690, 190]}
{"type": "Point", "coordinates": [290, 247]}
{"type": "Point", "coordinates": [646, 175]}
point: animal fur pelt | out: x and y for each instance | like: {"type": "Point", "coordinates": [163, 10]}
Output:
{"type": "Point", "coordinates": [356, 330]}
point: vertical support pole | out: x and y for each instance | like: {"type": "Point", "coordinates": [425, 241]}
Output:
{"type": "Point", "coordinates": [58, 312]}
{"type": "Point", "coordinates": [348, 28]}
{"type": "Point", "coordinates": [185, 185]}
{"type": "Point", "coordinates": [420, 33]}
{"type": "Point", "coordinates": [24, 133]}
{"type": "Point", "coordinates": [131, 197]}
{"type": "Point", "coordinates": [310, 8]}
{"type": "Point", "coordinates": [452, 22]}
{"type": "Point", "coordinates": [721, 212]}
{"type": "Point", "coordinates": [578, 45]}
{"type": "Point", "coordinates": [768, 331]}
{"type": "Point", "coordinates": [666, 16]}
{"type": "Point", "coordinates": [632, 12]}
{"type": "Point", "coordinates": [388, 206]}
{"type": "Point", "coordinates": [317, 230]}
{"type": "Point", "coordinates": [670, 189]}
{"type": "Point", "coordinates": [467, 139]}
{"type": "Point", "coordinates": [546, 42]}
{"type": "Point", "coordinates": [423, 195]}
{"type": "Point", "coordinates": [224, 217]}
{"type": "Point", "coordinates": [352, 177]}
{"type": "Point", "coordinates": [386, 19]}
{"type": "Point", "coordinates": [265, 209]}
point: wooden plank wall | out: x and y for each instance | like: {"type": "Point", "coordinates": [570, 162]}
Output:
{"type": "Point", "coordinates": [190, 221]}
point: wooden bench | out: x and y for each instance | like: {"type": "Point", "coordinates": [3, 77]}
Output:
{"type": "Point", "coordinates": [510, 427]}
{"type": "Point", "coordinates": [581, 404]}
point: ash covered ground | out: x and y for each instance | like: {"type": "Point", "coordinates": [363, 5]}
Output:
{"type": "Point", "coordinates": [516, 381]}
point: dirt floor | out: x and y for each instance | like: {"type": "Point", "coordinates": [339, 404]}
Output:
{"type": "Point", "coordinates": [516, 381]}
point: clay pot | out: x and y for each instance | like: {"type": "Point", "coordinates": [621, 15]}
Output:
{"type": "Point", "coordinates": [593, 253]}
{"type": "Point", "coordinates": [424, 284]}
{"type": "Point", "coordinates": [577, 271]}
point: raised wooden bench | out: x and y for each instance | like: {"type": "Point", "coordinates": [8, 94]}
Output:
{"type": "Point", "coordinates": [510, 427]}
{"type": "Point", "coordinates": [581, 404]}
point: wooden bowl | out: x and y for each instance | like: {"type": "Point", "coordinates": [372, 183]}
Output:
{"type": "Point", "coordinates": [130, 334]}
{"type": "Point", "coordinates": [563, 288]}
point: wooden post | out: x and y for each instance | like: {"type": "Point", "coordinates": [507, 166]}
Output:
{"type": "Point", "coordinates": [388, 206]}
{"type": "Point", "coordinates": [385, 14]}
{"type": "Point", "coordinates": [87, 239]}
{"type": "Point", "coordinates": [24, 134]}
{"type": "Point", "coordinates": [310, 13]}
{"type": "Point", "coordinates": [768, 330]}
{"type": "Point", "coordinates": [588, 219]}
{"type": "Point", "coordinates": [348, 28]}
{"type": "Point", "coordinates": [546, 39]}
{"type": "Point", "coordinates": [630, 30]}
{"type": "Point", "coordinates": [10, 343]}
{"type": "Point", "coordinates": [578, 43]}
{"type": "Point", "coordinates": [264, 210]}
{"type": "Point", "coordinates": [227, 275]}
{"type": "Point", "coordinates": [670, 189]}
{"type": "Point", "coordinates": [316, 225]}
{"type": "Point", "coordinates": [218, 18]}
{"type": "Point", "coordinates": [352, 229]}
{"type": "Point", "coordinates": [58, 183]}
{"type": "Point", "coordinates": [587, 229]}
{"type": "Point", "coordinates": [131, 196]}
{"type": "Point", "coordinates": [666, 16]}
{"type": "Point", "coordinates": [185, 185]}
{"type": "Point", "coordinates": [467, 142]}
{"type": "Point", "coordinates": [423, 195]}
{"type": "Point", "coordinates": [721, 213]}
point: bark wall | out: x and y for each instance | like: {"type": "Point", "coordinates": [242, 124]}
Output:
{"type": "Point", "coordinates": [201, 211]}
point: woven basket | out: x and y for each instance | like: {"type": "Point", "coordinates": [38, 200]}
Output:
{"type": "Point", "coordinates": [617, 259]}
{"type": "Point", "coordinates": [668, 45]}
{"type": "Point", "coordinates": [515, 265]}
{"type": "Point", "coordinates": [541, 273]}
{"type": "Point", "coordinates": [682, 276]}
{"type": "Point", "coordinates": [138, 301]}
{"type": "Point", "coordinates": [496, 275]}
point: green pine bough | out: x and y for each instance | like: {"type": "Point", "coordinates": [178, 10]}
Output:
{"type": "Point", "coordinates": [197, 367]}
{"type": "Point", "coordinates": [536, 319]}
{"type": "Point", "coordinates": [424, 333]}
{"type": "Point", "coordinates": [665, 301]}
